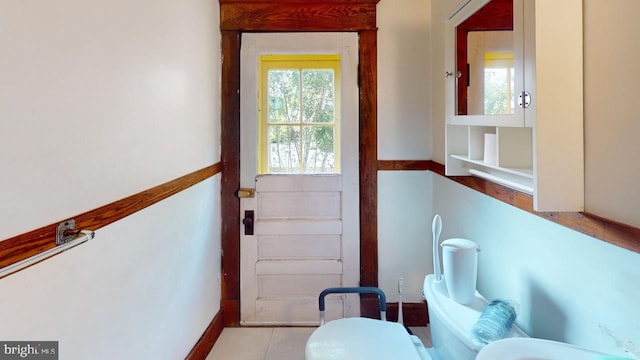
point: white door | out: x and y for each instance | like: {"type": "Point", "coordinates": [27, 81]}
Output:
{"type": "Point", "coordinates": [306, 227]}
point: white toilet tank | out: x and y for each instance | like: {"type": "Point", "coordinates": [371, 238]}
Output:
{"type": "Point", "coordinates": [451, 322]}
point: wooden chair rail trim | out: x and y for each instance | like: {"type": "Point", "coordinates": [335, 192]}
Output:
{"type": "Point", "coordinates": [408, 165]}
{"type": "Point", "coordinates": [23, 246]}
{"type": "Point", "coordinates": [607, 230]}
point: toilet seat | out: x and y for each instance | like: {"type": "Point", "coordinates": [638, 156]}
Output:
{"type": "Point", "coordinates": [364, 338]}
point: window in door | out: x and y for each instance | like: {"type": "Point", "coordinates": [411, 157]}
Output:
{"type": "Point", "coordinates": [299, 107]}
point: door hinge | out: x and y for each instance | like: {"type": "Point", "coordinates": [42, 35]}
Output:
{"type": "Point", "coordinates": [524, 99]}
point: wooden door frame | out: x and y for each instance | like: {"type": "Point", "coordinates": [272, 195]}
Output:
{"type": "Point", "coordinates": [238, 16]}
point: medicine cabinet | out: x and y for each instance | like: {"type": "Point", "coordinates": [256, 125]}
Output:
{"type": "Point", "coordinates": [487, 83]}
{"type": "Point", "coordinates": [513, 95]}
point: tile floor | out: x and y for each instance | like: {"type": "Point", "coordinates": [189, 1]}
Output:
{"type": "Point", "coordinates": [279, 343]}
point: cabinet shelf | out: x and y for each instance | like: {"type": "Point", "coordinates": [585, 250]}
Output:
{"type": "Point", "coordinates": [520, 179]}
{"type": "Point", "coordinates": [525, 173]}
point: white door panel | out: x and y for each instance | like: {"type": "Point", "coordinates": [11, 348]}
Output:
{"type": "Point", "coordinates": [317, 205]}
{"type": "Point", "coordinates": [298, 227]}
{"type": "Point", "coordinates": [299, 267]}
{"type": "Point", "coordinates": [278, 247]}
{"type": "Point", "coordinates": [290, 286]}
{"type": "Point", "coordinates": [301, 183]}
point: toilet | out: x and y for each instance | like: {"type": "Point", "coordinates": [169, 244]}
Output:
{"type": "Point", "coordinates": [451, 322]}
{"type": "Point", "coordinates": [452, 312]}
{"type": "Point", "coordinates": [363, 338]}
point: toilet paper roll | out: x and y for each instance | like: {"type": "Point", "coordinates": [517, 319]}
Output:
{"type": "Point", "coordinates": [491, 149]}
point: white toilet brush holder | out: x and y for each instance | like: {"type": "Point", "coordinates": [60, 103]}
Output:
{"type": "Point", "coordinates": [460, 263]}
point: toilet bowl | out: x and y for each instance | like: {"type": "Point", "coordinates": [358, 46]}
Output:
{"type": "Point", "coordinates": [364, 338]}
{"type": "Point", "coordinates": [451, 322]}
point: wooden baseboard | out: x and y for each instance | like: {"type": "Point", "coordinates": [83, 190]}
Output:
{"type": "Point", "coordinates": [204, 345]}
{"type": "Point", "coordinates": [413, 314]}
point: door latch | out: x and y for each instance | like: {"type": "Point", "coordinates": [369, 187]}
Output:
{"type": "Point", "coordinates": [248, 222]}
{"type": "Point", "coordinates": [245, 193]}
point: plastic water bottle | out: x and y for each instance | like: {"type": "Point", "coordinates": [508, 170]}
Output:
{"type": "Point", "coordinates": [494, 322]}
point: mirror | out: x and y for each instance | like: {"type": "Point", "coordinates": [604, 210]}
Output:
{"type": "Point", "coordinates": [485, 61]}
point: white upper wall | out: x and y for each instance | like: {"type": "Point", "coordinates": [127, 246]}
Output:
{"type": "Point", "coordinates": [440, 11]}
{"type": "Point", "coordinates": [611, 121]}
{"type": "Point", "coordinates": [404, 80]}
{"type": "Point", "coordinates": [100, 100]}
{"type": "Point", "coordinates": [404, 128]}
